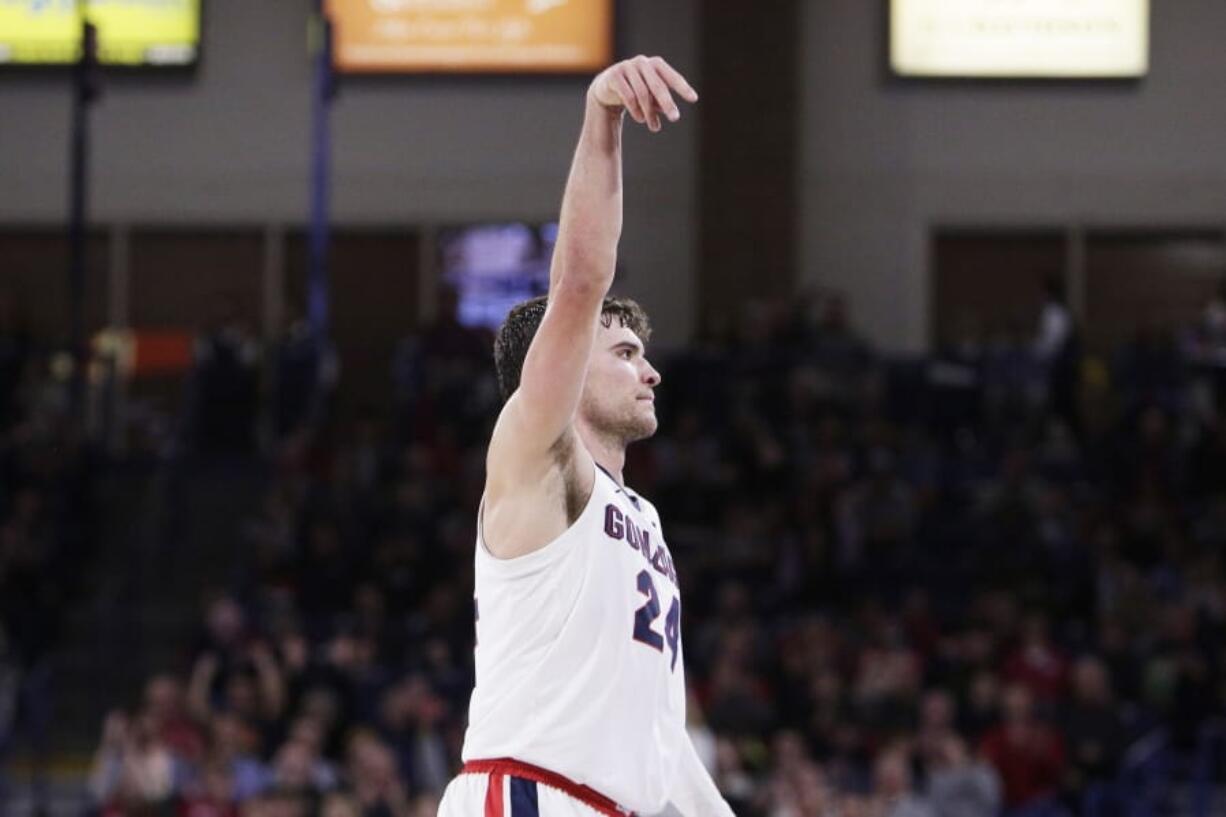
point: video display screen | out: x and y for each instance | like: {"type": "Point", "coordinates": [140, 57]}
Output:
{"type": "Point", "coordinates": [492, 267]}
{"type": "Point", "coordinates": [130, 32]}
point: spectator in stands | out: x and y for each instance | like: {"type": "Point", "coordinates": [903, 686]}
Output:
{"type": "Point", "coordinates": [1093, 727]}
{"type": "Point", "coordinates": [235, 745]}
{"type": "Point", "coordinates": [324, 574]}
{"type": "Point", "coordinates": [372, 774]}
{"type": "Point", "coordinates": [165, 705]}
{"type": "Point", "coordinates": [1036, 663]}
{"type": "Point", "coordinates": [293, 768]}
{"type": "Point", "coordinates": [1028, 755]}
{"type": "Point", "coordinates": [211, 794]}
{"type": "Point", "coordinates": [46, 539]}
{"type": "Point", "coordinates": [823, 696]}
{"type": "Point", "coordinates": [892, 792]}
{"type": "Point", "coordinates": [885, 691]}
{"type": "Point", "coordinates": [797, 786]}
{"type": "Point", "coordinates": [308, 735]}
{"type": "Point", "coordinates": [410, 724]}
{"type": "Point", "coordinates": [958, 785]}
{"type": "Point", "coordinates": [937, 722]}
{"type": "Point", "coordinates": [442, 375]}
{"type": "Point", "coordinates": [738, 703]}
{"type": "Point", "coordinates": [306, 372]}
{"type": "Point", "coordinates": [982, 710]}
{"type": "Point", "coordinates": [32, 591]}
{"type": "Point", "coordinates": [253, 690]}
{"type": "Point", "coordinates": [223, 389]}
{"type": "Point", "coordinates": [1057, 346]}
{"type": "Point", "coordinates": [225, 632]}
{"type": "Point", "coordinates": [134, 768]}
{"type": "Point", "coordinates": [876, 518]}
{"type": "Point", "coordinates": [1182, 674]}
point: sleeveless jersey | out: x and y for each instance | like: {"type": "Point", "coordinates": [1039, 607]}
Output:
{"type": "Point", "coordinates": [579, 667]}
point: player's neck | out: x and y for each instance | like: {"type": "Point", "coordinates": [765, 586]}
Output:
{"type": "Point", "coordinates": [609, 453]}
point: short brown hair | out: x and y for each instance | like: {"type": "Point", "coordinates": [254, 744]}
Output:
{"type": "Point", "coordinates": [517, 331]}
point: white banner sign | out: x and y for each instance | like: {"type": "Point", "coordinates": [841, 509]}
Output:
{"type": "Point", "coordinates": [1019, 38]}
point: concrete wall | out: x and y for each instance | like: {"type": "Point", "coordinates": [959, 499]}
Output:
{"type": "Point", "coordinates": [885, 160]}
{"type": "Point", "coordinates": [230, 145]}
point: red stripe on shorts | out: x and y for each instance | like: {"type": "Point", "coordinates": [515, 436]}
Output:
{"type": "Point", "coordinates": [508, 767]}
{"type": "Point", "coordinates": [493, 797]}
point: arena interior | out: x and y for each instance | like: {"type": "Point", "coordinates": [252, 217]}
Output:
{"type": "Point", "coordinates": [938, 292]}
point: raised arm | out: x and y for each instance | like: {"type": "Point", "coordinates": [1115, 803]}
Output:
{"type": "Point", "coordinates": [586, 251]}
{"type": "Point", "coordinates": [538, 418]}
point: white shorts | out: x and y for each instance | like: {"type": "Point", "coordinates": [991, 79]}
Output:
{"type": "Point", "coordinates": [503, 793]}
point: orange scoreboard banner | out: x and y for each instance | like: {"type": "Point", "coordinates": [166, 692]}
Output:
{"type": "Point", "coordinates": [477, 36]}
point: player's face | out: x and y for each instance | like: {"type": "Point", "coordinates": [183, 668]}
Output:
{"type": "Point", "coordinates": [618, 395]}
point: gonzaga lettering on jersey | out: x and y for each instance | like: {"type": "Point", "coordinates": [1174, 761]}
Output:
{"type": "Point", "coordinates": [579, 664]}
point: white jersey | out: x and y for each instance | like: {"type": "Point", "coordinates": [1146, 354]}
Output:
{"type": "Point", "coordinates": [578, 657]}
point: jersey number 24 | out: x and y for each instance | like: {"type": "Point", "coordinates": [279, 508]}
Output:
{"type": "Point", "coordinates": [646, 615]}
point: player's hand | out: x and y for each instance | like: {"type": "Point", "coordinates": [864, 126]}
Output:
{"type": "Point", "coordinates": [644, 87]}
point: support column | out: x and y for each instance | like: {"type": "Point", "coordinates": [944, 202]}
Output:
{"type": "Point", "coordinates": [749, 158]}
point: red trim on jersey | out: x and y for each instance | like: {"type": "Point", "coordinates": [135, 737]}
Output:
{"type": "Point", "coordinates": [493, 796]}
{"type": "Point", "coordinates": [496, 769]}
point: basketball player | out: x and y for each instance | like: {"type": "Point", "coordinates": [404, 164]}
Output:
{"type": "Point", "coordinates": [579, 706]}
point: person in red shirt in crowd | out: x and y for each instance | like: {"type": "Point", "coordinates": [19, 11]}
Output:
{"type": "Point", "coordinates": [1037, 663]}
{"type": "Point", "coordinates": [1027, 753]}
{"type": "Point", "coordinates": [165, 704]}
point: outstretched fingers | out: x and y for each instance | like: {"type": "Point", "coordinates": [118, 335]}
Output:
{"type": "Point", "coordinates": [660, 94]}
{"type": "Point", "coordinates": [629, 99]}
{"type": "Point", "coordinates": [643, 95]}
{"type": "Point", "coordinates": [674, 79]}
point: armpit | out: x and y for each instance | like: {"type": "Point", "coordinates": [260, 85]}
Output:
{"type": "Point", "coordinates": [574, 496]}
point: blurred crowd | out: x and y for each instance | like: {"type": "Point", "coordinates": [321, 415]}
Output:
{"type": "Point", "coordinates": [46, 519]}
{"type": "Point", "coordinates": [986, 581]}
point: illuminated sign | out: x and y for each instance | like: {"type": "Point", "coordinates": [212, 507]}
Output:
{"type": "Point", "coordinates": [479, 36]}
{"type": "Point", "coordinates": [1020, 38]}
